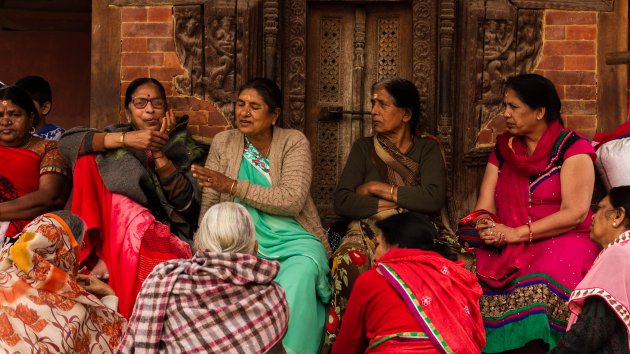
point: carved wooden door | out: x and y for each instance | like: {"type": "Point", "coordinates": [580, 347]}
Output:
{"type": "Point", "coordinates": [350, 46]}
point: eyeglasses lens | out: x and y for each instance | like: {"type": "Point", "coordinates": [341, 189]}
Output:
{"type": "Point", "coordinates": [142, 102]}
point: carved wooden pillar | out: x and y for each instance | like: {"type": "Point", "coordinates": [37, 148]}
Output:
{"type": "Point", "coordinates": [294, 81]}
{"type": "Point", "coordinates": [444, 129]}
{"type": "Point", "coordinates": [271, 22]}
{"type": "Point", "coordinates": [424, 60]}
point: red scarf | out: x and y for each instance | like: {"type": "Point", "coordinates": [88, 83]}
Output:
{"type": "Point", "coordinates": [19, 175]}
{"type": "Point", "coordinates": [512, 200]}
{"type": "Point", "coordinates": [447, 297]}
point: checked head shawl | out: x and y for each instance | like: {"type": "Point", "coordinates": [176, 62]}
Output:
{"type": "Point", "coordinates": [42, 308]}
{"type": "Point", "coordinates": [214, 302]}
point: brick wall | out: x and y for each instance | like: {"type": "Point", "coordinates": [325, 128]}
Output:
{"type": "Point", "coordinates": [569, 59]}
{"type": "Point", "coordinates": [148, 50]}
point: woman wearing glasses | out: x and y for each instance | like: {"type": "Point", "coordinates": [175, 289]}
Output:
{"type": "Point", "coordinates": [133, 189]}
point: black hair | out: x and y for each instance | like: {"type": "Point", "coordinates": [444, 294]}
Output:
{"type": "Point", "coordinates": [413, 230]}
{"type": "Point", "coordinates": [620, 197]}
{"type": "Point", "coordinates": [267, 89]}
{"type": "Point", "coordinates": [537, 91]}
{"type": "Point", "coordinates": [405, 95]}
{"type": "Point", "coordinates": [133, 86]}
{"type": "Point", "coordinates": [37, 87]}
{"type": "Point", "coordinates": [22, 99]}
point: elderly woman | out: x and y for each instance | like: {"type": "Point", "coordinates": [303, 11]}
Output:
{"type": "Point", "coordinates": [392, 171]}
{"type": "Point", "coordinates": [133, 189]}
{"type": "Point", "coordinates": [33, 175]}
{"type": "Point", "coordinates": [232, 304]}
{"type": "Point", "coordinates": [44, 308]}
{"type": "Point", "coordinates": [268, 170]}
{"type": "Point", "coordinates": [539, 181]}
{"type": "Point", "coordinates": [418, 298]}
{"type": "Point", "coordinates": [600, 304]}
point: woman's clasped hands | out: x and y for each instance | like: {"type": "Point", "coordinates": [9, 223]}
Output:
{"type": "Point", "coordinates": [493, 234]}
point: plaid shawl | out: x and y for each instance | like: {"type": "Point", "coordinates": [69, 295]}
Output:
{"type": "Point", "coordinates": [214, 302]}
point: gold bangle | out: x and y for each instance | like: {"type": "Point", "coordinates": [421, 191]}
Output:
{"type": "Point", "coordinates": [231, 192]}
{"type": "Point", "coordinates": [529, 228]}
{"type": "Point", "coordinates": [391, 192]}
{"type": "Point", "coordinates": [122, 139]}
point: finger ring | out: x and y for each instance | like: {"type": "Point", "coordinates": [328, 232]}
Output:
{"type": "Point", "coordinates": [208, 179]}
{"type": "Point", "coordinates": [168, 130]}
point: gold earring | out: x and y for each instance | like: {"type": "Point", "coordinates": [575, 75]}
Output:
{"type": "Point", "coordinates": [32, 131]}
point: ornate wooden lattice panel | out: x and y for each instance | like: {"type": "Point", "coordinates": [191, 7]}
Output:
{"type": "Point", "coordinates": [326, 174]}
{"type": "Point", "coordinates": [388, 59]}
{"type": "Point", "coordinates": [330, 79]}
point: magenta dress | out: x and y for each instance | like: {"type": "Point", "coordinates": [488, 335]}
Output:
{"type": "Point", "coordinates": [528, 301]}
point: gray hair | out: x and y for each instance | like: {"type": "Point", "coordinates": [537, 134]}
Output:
{"type": "Point", "coordinates": [75, 224]}
{"type": "Point", "coordinates": [227, 228]}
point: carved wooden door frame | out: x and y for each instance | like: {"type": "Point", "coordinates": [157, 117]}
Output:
{"type": "Point", "coordinates": [294, 58]}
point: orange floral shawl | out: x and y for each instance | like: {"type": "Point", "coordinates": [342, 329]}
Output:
{"type": "Point", "coordinates": [42, 309]}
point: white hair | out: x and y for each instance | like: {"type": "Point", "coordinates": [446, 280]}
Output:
{"type": "Point", "coordinates": [227, 228]}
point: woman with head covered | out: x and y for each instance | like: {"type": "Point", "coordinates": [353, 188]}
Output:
{"type": "Point", "coordinates": [44, 307]}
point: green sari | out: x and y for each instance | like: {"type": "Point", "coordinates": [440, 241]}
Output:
{"type": "Point", "coordinates": [303, 264]}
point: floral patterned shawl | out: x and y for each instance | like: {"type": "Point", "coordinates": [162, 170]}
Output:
{"type": "Point", "coordinates": [42, 309]}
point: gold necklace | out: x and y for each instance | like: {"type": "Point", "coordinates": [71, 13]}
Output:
{"type": "Point", "coordinates": [268, 151]}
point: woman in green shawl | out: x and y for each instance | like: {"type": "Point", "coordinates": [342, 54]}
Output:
{"type": "Point", "coordinates": [268, 170]}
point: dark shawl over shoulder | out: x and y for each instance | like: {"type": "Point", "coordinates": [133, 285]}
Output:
{"type": "Point", "coordinates": [127, 172]}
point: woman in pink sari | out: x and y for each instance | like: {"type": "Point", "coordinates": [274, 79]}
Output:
{"type": "Point", "coordinates": [539, 181]}
{"type": "Point", "coordinates": [600, 304]}
{"type": "Point", "coordinates": [134, 190]}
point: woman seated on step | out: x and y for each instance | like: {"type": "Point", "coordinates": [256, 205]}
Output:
{"type": "Point", "coordinates": [393, 171]}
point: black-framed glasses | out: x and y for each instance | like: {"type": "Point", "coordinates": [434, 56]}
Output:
{"type": "Point", "coordinates": [140, 102]}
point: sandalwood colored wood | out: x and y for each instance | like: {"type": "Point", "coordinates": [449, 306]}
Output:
{"type": "Point", "coordinates": [612, 103]}
{"type": "Point", "coordinates": [617, 58]}
{"type": "Point", "coordinates": [105, 79]}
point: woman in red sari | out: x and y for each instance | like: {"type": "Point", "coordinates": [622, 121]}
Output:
{"type": "Point", "coordinates": [539, 181]}
{"type": "Point", "coordinates": [134, 190]}
{"type": "Point", "coordinates": [33, 175]}
{"type": "Point", "coordinates": [417, 298]}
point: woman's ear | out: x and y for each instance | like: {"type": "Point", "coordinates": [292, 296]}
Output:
{"type": "Point", "coordinates": [407, 115]}
{"type": "Point", "coordinates": [276, 115]}
{"type": "Point", "coordinates": [621, 214]}
{"type": "Point", "coordinates": [540, 114]}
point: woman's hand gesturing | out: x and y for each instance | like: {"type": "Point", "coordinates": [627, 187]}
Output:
{"type": "Point", "coordinates": [151, 139]}
{"type": "Point", "coordinates": [212, 179]}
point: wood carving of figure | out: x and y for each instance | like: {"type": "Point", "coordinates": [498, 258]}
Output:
{"type": "Point", "coordinates": [188, 43]}
{"type": "Point", "coordinates": [221, 46]}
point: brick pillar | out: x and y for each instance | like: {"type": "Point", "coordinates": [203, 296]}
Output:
{"type": "Point", "coordinates": [569, 59]}
{"type": "Point", "coordinates": [148, 50]}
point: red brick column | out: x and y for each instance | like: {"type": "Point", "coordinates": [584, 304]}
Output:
{"type": "Point", "coordinates": [148, 50]}
{"type": "Point", "coordinates": [569, 59]}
